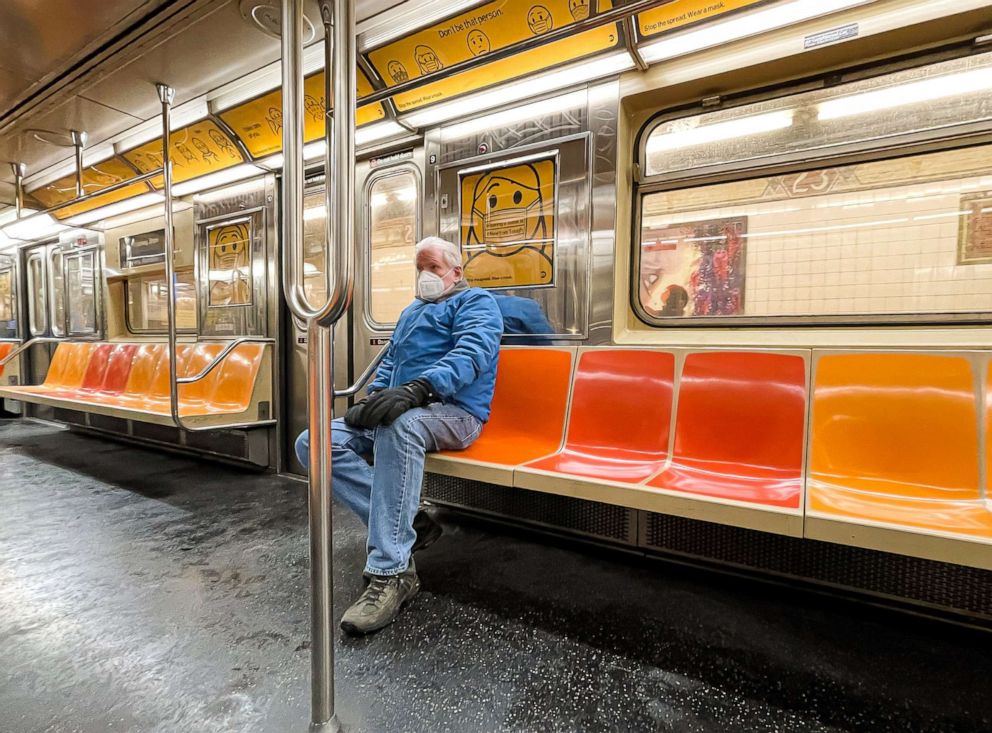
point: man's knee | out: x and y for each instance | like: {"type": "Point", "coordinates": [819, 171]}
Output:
{"type": "Point", "coordinates": [303, 447]}
{"type": "Point", "coordinates": [408, 426]}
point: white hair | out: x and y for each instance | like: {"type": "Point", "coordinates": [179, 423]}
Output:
{"type": "Point", "coordinates": [449, 250]}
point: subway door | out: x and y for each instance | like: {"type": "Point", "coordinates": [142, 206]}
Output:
{"type": "Point", "coordinates": [296, 403]}
{"type": "Point", "coordinates": [391, 208]}
{"type": "Point", "coordinates": [36, 315]}
{"type": "Point", "coordinates": [9, 326]}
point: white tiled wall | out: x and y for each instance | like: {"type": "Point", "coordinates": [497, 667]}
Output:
{"type": "Point", "coordinates": [890, 250]}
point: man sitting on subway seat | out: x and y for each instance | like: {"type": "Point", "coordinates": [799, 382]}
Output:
{"type": "Point", "coordinates": [432, 392]}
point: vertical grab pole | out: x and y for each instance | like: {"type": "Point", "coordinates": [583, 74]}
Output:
{"type": "Point", "coordinates": [319, 368]}
{"type": "Point", "coordinates": [167, 96]}
{"type": "Point", "coordinates": [20, 170]}
{"type": "Point", "coordinates": [79, 142]}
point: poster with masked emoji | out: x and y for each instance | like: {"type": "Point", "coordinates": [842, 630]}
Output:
{"type": "Point", "coordinates": [508, 225]}
{"type": "Point", "coordinates": [229, 254]}
{"type": "Point", "coordinates": [6, 296]}
{"type": "Point", "coordinates": [487, 28]}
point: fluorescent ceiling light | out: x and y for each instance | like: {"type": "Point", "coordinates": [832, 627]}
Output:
{"type": "Point", "coordinates": [229, 175]}
{"type": "Point", "coordinates": [514, 91]}
{"type": "Point", "coordinates": [34, 226]}
{"type": "Point", "coordinates": [720, 131]}
{"type": "Point", "coordinates": [512, 116]}
{"type": "Point", "coordinates": [760, 21]}
{"type": "Point", "coordinates": [927, 90]}
{"type": "Point", "coordinates": [378, 131]}
{"type": "Point", "coordinates": [121, 207]}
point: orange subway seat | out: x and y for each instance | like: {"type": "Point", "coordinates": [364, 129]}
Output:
{"type": "Point", "coordinates": [739, 428]}
{"type": "Point", "coordinates": [5, 349]}
{"type": "Point", "coordinates": [69, 365]}
{"type": "Point", "coordinates": [618, 427]}
{"type": "Point", "coordinates": [896, 424]}
{"type": "Point", "coordinates": [234, 379]}
{"type": "Point", "coordinates": [96, 368]}
{"type": "Point", "coordinates": [200, 356]}
{"type": "Point", "coordinates": [956, 517]}
{"type": "Point", "coordinates": [528, 409]}
{"type": "Point", "coordinates": [118, 369]}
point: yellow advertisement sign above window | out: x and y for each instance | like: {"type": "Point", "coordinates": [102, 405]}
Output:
{"type": "Point", "coordinates": [685, 12]}
{"type": "Point", "coordinates": [96, 177]}
{"type": "Point", "coordinates": [196, 150]}
{"type": "Point", "coordinates": [487, 28]}
{"type": "Point", "coordinates": [258, 122]}
{"type": "Point", "coordinates": [527, 62]}
{"type": "Point", "coordinates": [508, 225]}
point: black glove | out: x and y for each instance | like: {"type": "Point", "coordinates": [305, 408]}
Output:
{"type": "Point", "coordinates": [385, 406]}
{"type": "Point", "coordinates": [354, 416]}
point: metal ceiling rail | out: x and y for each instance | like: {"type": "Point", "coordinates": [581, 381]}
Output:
{"type": "Point", "coordinates": [613, 15]}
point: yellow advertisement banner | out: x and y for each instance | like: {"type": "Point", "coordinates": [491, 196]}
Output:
{"type": "Point", "coordinates": [196, 150]}
{"type": "Point", "coordinates": [258, 122]}
{"type": "Point", "coordinates": [527, 62]}
{"type": "Point", "coordinates": [685, 12]}
{"type": "Point", "coordinates": [229, 278]}
{"type": "Point", "coordinates": [487, 28]}
{"type": "Point", "coordinates": [101, 175]}
{"type": "Point", "coordinates": [508, 225]}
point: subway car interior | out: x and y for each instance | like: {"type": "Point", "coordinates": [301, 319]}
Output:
{"type": "Point", "coordinates": [736, 475]}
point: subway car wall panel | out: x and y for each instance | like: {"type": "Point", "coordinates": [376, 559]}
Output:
{"type": "Point", "coordinates": [603, 367]}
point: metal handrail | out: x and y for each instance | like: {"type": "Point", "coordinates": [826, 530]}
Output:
{"type": "Point", "coordinates": [616, 14]}
{"type": "Point", "coordinates": [42, 340]}
{"type": "Point", "coordinates": [364, 377]}
{"type": "Point", "coordinates": [96, 194]}
{"type": "Point", "coordinates": [231, 346]}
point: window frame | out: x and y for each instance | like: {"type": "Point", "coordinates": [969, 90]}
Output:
{"type": "Point", "coordinates": [80, 253]}
{"type": "Point", "coordinates": [156, 331]}
{"type": "Point", "coordinates": [930, 141]}
{"type": "Point", "coordinates": [378, 174]}
{"type": "Point", "coordinates": [32, 297]}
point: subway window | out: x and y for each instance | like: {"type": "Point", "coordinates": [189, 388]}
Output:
{"type": "Point", "coordinates": [393, 230]}
{"type": "Point", "coordinates": [37, 320]}
{"type": "Point", "coordinates": [147, 303]}
{"type": "Point", "coordinates": [56, 283]}
{"type": "Point", "coordinates": [81, 292]}
{"type": "Point", "coordinates": [907, 237]}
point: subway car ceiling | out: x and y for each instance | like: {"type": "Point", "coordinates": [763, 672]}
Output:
{"type": "Point", "coordinates": [467, 60]}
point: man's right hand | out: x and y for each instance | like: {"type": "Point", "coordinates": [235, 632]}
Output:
{"type": "Point", "coordinates": [357, 414]}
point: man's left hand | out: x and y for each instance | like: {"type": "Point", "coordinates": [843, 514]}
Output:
{"type": "Point", "coordinates": [389, 404]}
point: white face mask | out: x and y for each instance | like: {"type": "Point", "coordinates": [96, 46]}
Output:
{"type": "Point", "coordinates": [430, 286]}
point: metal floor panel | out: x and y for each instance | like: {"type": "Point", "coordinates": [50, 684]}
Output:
{"type": "Point", "coordinates": [142, 591]}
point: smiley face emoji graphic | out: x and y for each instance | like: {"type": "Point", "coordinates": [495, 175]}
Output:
{"type": "Point", "coordinates": [539, 20]}
{"type": "Point", "coordinates": [478, 43]}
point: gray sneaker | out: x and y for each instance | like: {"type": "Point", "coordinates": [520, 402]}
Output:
{"type": "Point", "coordinates": [382, 600]}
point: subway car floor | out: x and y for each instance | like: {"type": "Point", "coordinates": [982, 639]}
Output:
{"type": "Point", "coordinates": [142, 591]}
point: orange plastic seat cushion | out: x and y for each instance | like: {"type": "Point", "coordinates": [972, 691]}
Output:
{"type": "Point", "coordinates": [895, 441]}
{"type": "Point", "coordinates": [739, 428]}
{"type": "Point", "coordinates": [5, 349]}
{"type": "Point", "coordinates": [96, 368]}
{"type": "Point", "coordinates": [618, 427]}
{"type": "Point", "coordinates": [896, 424]}
{"type": "Point", "coordinates": [528, 409]}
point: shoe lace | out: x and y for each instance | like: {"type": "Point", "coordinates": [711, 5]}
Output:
{"type": "Point", "coordinates": [375, 590]}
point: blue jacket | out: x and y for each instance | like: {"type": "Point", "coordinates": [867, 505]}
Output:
{"type": "Point", "coordinates": [454, 344]}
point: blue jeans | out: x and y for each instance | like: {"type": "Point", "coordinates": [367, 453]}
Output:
{"type": "Point", "coordinates": [385, 497]}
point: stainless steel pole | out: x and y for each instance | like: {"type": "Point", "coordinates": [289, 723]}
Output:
{"type": "Point", "coordinates": [166, 96]}
{"type": "Point", "coordinates": [20, 170]}
{"type": "Point", "coordinates": [79, 142]}
{"type": "Point", "coordinates": [320, 383]}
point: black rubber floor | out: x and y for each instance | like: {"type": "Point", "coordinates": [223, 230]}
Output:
{"type": "Point", "coordinates": [147, 592]}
